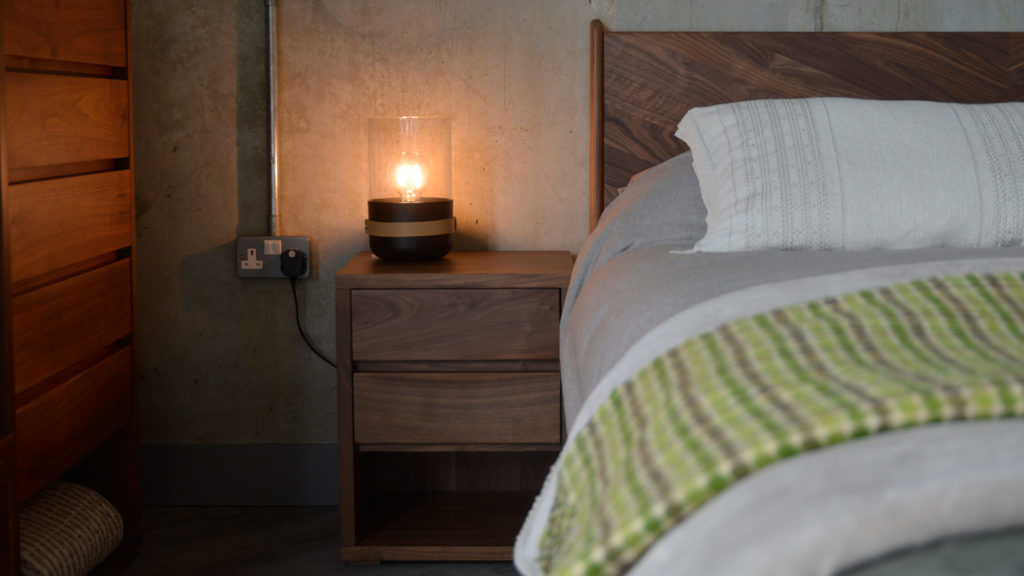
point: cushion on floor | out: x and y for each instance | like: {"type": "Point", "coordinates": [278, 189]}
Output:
{"type": "Point", "coordinates": [67, 530]}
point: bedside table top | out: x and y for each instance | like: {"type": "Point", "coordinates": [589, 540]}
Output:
{"type": "Point", "coordinates": [526, 269]}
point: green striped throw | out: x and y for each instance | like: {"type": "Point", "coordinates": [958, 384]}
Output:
{"type": "Point", "coordinates": [752, 391]}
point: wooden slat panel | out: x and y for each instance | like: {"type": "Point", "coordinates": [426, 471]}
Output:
{"type": "Point", "coordinates": [89, 31]}
{"type": "Point", "coordinates": [349, 505]}
{"type": "Point", "coordinates": [30, 173]}
{"type": "Point", "coordinates": [35, 65]}
{"type": "Point", "coordinates": [63, 425]}
{"type": "Point", "coordinates": [456, 470]}
{"type": "Point", "coordinates": [8, 508]}
{"type": "Point", "coordinates": [652, 79]}
{"type": "Point", "coordinates": [467, 407]}
{"type": "Point", "coordinates": [459, 366]}
{"type": "Point", "coordinates": [61, 324]}
{"type": "Point", "coordinates": [499, 324]}
{"type": "Point", "coordinates": [65, 119]}
{"type": "Point", "coordinates": [56, 223]}
{"type": "Point", "coordinates": [597, 200]}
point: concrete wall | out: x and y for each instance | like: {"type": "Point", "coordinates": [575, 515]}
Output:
{"type": "Point", "coordinates": [221, 360]}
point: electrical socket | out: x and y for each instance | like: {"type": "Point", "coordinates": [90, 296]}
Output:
{"type": "Point", "coordinates": [260, 256]}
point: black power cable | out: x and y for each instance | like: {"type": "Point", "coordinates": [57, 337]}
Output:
{"type": "Point", "coordinates": [298, 322]}
{"type": "Point", "coordinates": [293, 265]}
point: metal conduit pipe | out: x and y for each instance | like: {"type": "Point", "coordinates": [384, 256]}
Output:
{"type": "Point", "coordinates": [274, 219]}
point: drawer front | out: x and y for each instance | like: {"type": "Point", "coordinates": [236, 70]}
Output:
{"type": "Point", "coordinates": [64, 323]}
{"type": "Point", "coordinates": [477, 408]}
{"type": "Point", "coordinates": [89, 31]}
{"type": "Point", "coordinates": [63, 221]}
{"type": "Point", "coordinates": [53, 119]}
{"type": "Point", "coordinates": [60, 427]}
{"type": "Point", "coordinates": [457, 324]}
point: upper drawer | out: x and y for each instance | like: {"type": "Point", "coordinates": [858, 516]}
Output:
{"type": "Point", "coordinates": [457, 324]}
{"type": "Point", "coordinates": [53, 119]}
{"type": "Point", "coordinates": [62, 221]}
{"type": "Point", "coordinates": [64, 323]}
{"type": "Point", "coordinates": [87, 31]}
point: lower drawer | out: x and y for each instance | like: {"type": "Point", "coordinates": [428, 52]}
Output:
{"type": "Point", "coordinates": [478, 408]}
{"type": "Point", "coordinates": [60, 427]}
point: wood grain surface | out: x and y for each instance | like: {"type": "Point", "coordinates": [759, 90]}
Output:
{"type": "Point", "coordinates": [61, 324]}
{"type": "Point", "coordinates": [55, 119]}
{"type": "Point", "coordinates": [513, 269]}
{"type": "Point", "coordinates": [57, 223]}
{"type": "Point", "coordinates": [89, 31]}
{"type": "Point", "coordinates": [496, 471]}
{"type": "Point", "coordinates": [68, 244]}
{"type": "Point", "coordinates": [60, 427]}
{"type": "Point", "coordinates": [455, 324]}
{"type": "Point", "coordinates": [651, 79]}
{"type": "Point", "coordinates": [457, 408]}
{"type": "Point", "coordinates": [9, 561]}
{"type": "Point", "coordinates": [436, 526]}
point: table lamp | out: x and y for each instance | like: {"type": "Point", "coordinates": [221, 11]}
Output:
{"type": "Point", "coordinates": [410, 206]}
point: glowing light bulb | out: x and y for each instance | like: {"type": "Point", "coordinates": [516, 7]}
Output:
{"type": "Point", "coordinates": [410, 174]}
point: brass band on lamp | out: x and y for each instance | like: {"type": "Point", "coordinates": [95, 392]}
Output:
{"type": "Point", "coordinates": [398, 229]}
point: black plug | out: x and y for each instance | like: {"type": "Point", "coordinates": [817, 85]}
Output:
{"type": "Point", "coordinates": [293, 264]}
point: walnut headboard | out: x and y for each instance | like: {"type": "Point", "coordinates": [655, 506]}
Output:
{"type": "Point", "coordinates": [642, 83]}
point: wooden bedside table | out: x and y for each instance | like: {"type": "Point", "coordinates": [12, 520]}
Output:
{"type": "Point", "coordinates": [449, 401]}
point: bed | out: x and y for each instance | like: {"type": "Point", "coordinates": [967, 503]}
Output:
{"type": "Point", "coordinates": [780, 355]}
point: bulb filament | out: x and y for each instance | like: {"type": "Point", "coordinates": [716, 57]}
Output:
{"type": "Point", "coordinates": [410, 179]}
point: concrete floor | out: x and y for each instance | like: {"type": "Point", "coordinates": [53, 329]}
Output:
{"type": "Point", "coordinates": [218, 541]}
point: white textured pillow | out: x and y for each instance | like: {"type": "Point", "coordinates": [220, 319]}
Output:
{"type": "Point", "coordinates": [837, 173]}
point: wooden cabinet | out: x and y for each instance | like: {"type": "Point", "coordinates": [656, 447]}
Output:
{"type": "Point", "coordinates": [67, 249]}
{"type": "Point", "coordinates": [449, 401]}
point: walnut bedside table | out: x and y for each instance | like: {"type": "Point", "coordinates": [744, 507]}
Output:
{"type": "Point", "coordinates": [449, 401]}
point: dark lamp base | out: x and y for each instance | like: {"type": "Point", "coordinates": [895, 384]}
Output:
{"type": "Point", "coordinates": [411, 249]}
{"type": "Point", "coordinates": [410, 231]}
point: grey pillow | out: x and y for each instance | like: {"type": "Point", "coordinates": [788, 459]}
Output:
{"type": "Point", "coordinates": [661, 205]}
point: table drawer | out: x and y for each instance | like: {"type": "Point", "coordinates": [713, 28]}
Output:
{"type": "Point", "coordinates": [479, 408]}
{"type": "Point", "coordinates": [455, 324]}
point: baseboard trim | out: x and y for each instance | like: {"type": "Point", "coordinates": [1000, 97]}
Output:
{"type": "Point", "coordinates": [239, 474]}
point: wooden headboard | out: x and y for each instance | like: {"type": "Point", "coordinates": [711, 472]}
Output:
{"type": "Point", "coordinates": [644, 82]}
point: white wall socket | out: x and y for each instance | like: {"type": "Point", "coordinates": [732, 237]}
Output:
{"type": "Point", "coordinates": [260, 256]}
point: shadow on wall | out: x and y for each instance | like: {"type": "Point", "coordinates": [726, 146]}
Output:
{"type": "Point", "coordinates": [469, 241]}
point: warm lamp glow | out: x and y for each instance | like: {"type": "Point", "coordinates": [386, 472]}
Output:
{"type": "Point", "coordinates": [410, 177]}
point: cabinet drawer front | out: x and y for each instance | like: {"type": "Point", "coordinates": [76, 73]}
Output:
{"type": "Point", "coordinates": [457, 324]}
{"type": "Point", "coordinates": [60, 427]}
{"type": "Point", "coordinates": [53, 119]}
{"type": "Point", "coordinates": [89, 31]}
{"type": "Point", "coordinates": [63, 221]}
{"type": "Point", "coordinates": [64, 323]}
{"type": "Point", "coordinates": [478, 408]}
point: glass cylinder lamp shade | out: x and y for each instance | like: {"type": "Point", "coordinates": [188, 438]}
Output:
{"type": "Point", "coordinates": [410, 207]}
